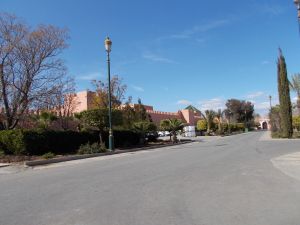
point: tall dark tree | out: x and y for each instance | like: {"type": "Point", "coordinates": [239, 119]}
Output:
{"type": "Point", "coordinates": [239, 111]}
{"type": "Point", "coordinates": [284, 98]}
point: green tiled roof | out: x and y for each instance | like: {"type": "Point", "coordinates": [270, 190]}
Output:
{"type": "Point", "coordinates": [193, 108]}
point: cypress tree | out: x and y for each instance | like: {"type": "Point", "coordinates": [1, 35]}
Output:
{"type": "Point", "coordinates": [284, 98]}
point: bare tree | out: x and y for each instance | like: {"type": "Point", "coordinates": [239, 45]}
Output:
{"type": "Point", "coordinates": [65, 101]}
{"type": "Point", "coordinates": [30, 67]}
{"type": "Point", "coordinates": [117, 92]}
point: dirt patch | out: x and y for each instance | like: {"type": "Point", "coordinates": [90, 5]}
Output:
{"type": "Point", "coordinates": [17, 158]}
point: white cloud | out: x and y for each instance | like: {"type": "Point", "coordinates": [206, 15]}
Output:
{"type": "Point", "coordinates": [272, 9]}
{"type": "Point", "coordinates": [214, 104]}
{"type": "Point", "coordinates": [261, 105]}
{"type": "Point", "coordinates": [266, 62]}
{"type": "Point", "coordinates": [184, 102]}
{"type": "Point", "coordinates": [255, 95]}
{"type": "Point", "coordinates": [200, 40]}
{"type": "Point", "coordinates": [202, 28]}
{"type": "Point", "coordinates": [137, 88]}
{"type": "Point", "coordinates": [156, 58]}
{"type": "Point", "coordinates": [90, 76]}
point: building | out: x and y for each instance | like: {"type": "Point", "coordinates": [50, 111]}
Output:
{"type": "Point", "coordinates": [190, 115]}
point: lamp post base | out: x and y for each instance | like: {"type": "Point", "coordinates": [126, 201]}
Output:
{"type": "Point", "coordinates": [111, 144]}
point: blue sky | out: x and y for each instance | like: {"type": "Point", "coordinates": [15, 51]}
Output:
{"type": "Point", "coordinates": [171, 53]}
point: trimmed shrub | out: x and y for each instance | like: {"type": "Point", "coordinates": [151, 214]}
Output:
{"type": "Point", "coordinates": [40, 142]}
{"type": "Point", "coordinates": [91, 148]}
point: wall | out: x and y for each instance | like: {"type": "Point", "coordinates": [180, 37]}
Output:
{"type": "Point", "coordinates": [157, 116]}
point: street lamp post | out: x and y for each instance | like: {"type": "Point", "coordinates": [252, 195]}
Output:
{"type": "Point", "coordinates": [297, 3]}
{"type": "Point", "coordinates": [270, 98]}
{"type": "Point", "coordinates": [108, 44]}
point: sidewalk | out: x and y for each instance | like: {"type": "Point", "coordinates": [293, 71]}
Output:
{"type": "Point", "coordinates": [288, 164]}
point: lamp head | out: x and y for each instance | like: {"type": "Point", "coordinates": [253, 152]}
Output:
{"type": "Point", "coordinates": [108, 44]}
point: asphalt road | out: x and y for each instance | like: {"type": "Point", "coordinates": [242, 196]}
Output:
{"type": "Point", "coordinates": [222, 181]}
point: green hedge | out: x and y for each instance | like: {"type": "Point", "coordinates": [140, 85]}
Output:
{"type": "Point", "coordinates": [39, 142]}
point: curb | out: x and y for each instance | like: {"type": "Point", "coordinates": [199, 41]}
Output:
{"type": "Point", "coordinates": [4, 165]}
{"type": "Point", "coordinates": [77, 157]}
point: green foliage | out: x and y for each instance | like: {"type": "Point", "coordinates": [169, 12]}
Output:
{"type": "Point", "coordinates": [295, 86]}
{"type": "Point", "coordinates": [11, 142]}
{"type": "Point", "coordinates": [274, 116]}
{"type": "Point", "coordinates": [209, 116]}
{"type": "Point", "coordinates": [39, 142]}
{"type": "Point", "coordinates": [140, 112]}
{"type": "Point", "coordinates": [240, 126]}
{"type": "Point", "coordinates": [202, 125]}
{"type": "Point", "coordinates": [91, 148]}
{"type": "Point", "coordinates": [173, 126]}
{"type": "Point", "coordinates": [48, 155]}
{"type": "Point", "coordinates": [45, 119]}
{"type": "Point", "coordinates": [219, 121]}
{"type": "Point", "coordinates": [296, 123]}
{"type": "Point", "coordinates": [143, 128]}
{"type": "Point", "coordinates": [133, 113]}
{"type": "Point", "coordinates": [239, 111]}
{"type": "Point", "coordinates": [284, 98]}
{"type": "Point", "coordinates": [233, 127]}
{"type": "Point", "coordinates": [98, 118]}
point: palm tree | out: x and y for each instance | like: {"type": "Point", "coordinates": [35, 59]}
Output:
{"type": "Point", "coordinates": [227, 113]}
{"type": "Point", "coordinates": [173, 126]}
{"type": "Point", "coordinates": [45, 119]}
{"type": "Point", "coordinates": [209, 116]}
{"type": "Point", "coordinates": [218, 117]}
{"type": "Point", "coordinates": [295, 86]}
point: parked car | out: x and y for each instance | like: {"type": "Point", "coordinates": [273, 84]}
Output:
{"type": "Point", "coordinates": [152, 136]}
{"type": "Point", "coordinates": [161, 133]}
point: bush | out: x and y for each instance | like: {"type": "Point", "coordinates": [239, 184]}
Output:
{"type": "Point", "coordinates": [39, 142]}
{"type": "Point", "coordinates": [296, 123]}
{"type": "Point", "coordinates": [48, 155]}
{"type": "Point", "coordinates": [91, 148]}
{"type": "Point", "coordinates": [202, 125]}
{"type": "Point", "coordinates": [240, 126]}
{"type": "Point", "coordinates": [11, 142]}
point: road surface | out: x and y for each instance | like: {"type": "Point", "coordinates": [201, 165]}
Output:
{"type": "Point", "coordinates": [221, 181]}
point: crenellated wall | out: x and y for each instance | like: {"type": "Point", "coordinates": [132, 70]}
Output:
{"type": "Point", "coordinates": [157, 116]}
